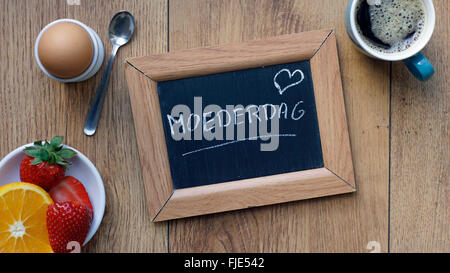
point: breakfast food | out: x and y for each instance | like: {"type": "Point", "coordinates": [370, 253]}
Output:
{"type": "Point", "coordinates": [66, 50]}
{"type": "Point", "coordinates": [48, 211]}
{"type": "Point", "coordinates": [44, 164]}
{"type": "Point", "coordinates": [23, 212]}
{"type": "Point", "coordinates": [67, 222]}
{"type": "Point", "coordinates": [70, 189]}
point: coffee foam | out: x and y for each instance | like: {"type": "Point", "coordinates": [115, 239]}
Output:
{"type": "Point", "coordinates": [397, 23]}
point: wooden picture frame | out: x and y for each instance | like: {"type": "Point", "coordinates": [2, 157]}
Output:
{"type": "Point", "coordinates": [337, 175]}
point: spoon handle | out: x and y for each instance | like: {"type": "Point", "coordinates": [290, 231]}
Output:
{"type": "Point", "coordinates": [94, 113]}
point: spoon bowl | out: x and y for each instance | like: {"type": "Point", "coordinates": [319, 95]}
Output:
{"type": "Point", "coordinates": [121, 28]}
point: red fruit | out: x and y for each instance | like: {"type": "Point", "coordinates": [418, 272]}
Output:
{"type": "Point", "coordinates": [44, 163]}
{"type": "Point", "coordinates": [70, 189]}
{"type": "Point", "coordinates": [67, 222]}
{"type": "Point", "coordinates": [43, 174]}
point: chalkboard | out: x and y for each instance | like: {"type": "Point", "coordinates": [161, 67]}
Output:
{"type": "Point", "coordinates": [258, 97]}
{"type": "Point", "coordinates": [241, 125]}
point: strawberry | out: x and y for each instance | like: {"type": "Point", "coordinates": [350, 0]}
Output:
{"type": "Point", "coordinates": [70, 189]}
{"type": "Point", "coordinates": [67, 222]}
{"type": "Point", "coordinates": [44, 163]}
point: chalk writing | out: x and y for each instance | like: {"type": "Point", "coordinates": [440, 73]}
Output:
{"type": "Point", "coordinates": [285, 70]}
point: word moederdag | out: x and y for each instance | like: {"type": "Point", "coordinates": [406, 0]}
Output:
{"type": "Point", "coordinates": [209, 122]}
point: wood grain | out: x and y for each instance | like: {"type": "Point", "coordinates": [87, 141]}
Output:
{"type": "Point", "coordinates": [35, 107]}
{"type": "Point", "coordinates": [238, 56]}
{"type": "Point", "coordinates": [332, 224]}
{"type": "Point", "coordinates": [420, 183]}
{"type": "Point", "coordinates": [151, 142]}
{"type": "Point", "coordinates": [253, 192]}
{"type": "Point", "coordinates": [331, 114]}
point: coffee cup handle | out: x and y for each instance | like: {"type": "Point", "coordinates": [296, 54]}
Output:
{"type": "Point", "coordinates": [419, 66]}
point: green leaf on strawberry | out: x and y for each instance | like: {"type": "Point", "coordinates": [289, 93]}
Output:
{"type": "Point", "coordinates": [36, 161]}
{"type": "Point", "coordinates": [37, 143]}
{"type": "Point", "coordinates": [66, 153]}
{"type": "Point", "coordinates": [51, 152]}
{"type": "Point", "coordinates": [56, 142]}
{"type": "Point", "coordinates": [45, 163]}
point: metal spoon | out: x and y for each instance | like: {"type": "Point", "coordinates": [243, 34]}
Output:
{"type": "Point", "coordinates": [121, 29]}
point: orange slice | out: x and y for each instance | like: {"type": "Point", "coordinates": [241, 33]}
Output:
{"type": "Point", "coordinates": [23, 218]}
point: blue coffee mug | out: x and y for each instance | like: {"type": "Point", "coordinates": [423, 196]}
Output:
{"type": "Point", "coordinates": [412, 57]}
{"type": "Point", "coordinates": [419, 66]}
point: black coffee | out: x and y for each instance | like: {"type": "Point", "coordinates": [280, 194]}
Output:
{"type": "Point", "coordinates": [390, 25]}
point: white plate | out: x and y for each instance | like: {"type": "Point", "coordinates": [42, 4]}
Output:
{"type": "Point", "coordinates": [81, 168]}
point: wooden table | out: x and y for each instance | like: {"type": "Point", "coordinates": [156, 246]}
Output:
{"type": "Point", "coordinates": [398, 129]}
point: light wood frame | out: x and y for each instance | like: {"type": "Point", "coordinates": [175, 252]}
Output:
{"type": "Point", "coordinates": [337, 175]}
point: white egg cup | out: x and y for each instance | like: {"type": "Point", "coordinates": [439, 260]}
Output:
{"type": "Point", "coordinates": [97, 59]}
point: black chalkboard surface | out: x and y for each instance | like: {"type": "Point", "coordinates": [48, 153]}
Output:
{"type": "Point", "coordinates": [227, 118]}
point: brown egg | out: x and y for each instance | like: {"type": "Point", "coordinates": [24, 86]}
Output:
{"type": "Point", "coordinates": [65, 50]}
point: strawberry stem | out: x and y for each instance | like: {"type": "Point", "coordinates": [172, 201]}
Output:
{"type": "Point", "coordinates": [51, 152]}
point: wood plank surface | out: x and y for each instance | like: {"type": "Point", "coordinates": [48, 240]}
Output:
{"type": "Point", "coordinates": [420, 156]}
{"type": "Point", "coordinates": [35, 107]}
{"type": "Point", "coordinates": [332, 224]}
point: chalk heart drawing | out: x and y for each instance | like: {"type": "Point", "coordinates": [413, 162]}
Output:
{"type": "Point", "coordinates": [284, 70]}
